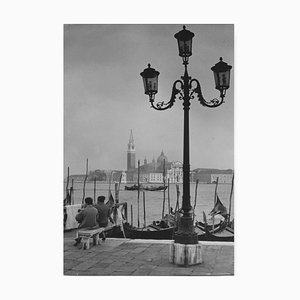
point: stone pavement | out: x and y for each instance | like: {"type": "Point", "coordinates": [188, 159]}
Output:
{"type": "Point", "coordinates": [120, 257]}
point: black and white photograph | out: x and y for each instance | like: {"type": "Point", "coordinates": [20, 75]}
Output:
{"type": "Point", "coordinates": [148, 149]}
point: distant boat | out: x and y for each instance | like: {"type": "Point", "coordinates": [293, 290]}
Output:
{"type": "Point", "coordinates": [155, 188]}
{"type": "Point", "coordinates": [135, 187]}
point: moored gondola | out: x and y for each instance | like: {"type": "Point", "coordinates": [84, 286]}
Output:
{"type": "Point", "coordinates": [149, 232]}
{"type": "Point", "coordinates": [212, 228]}
{"type": "Point", "coordinates": [135, 187]}
{"type": "Point", "coordinates": [222, 236]}
{"type": "Point", "coordinates": [155, 188]}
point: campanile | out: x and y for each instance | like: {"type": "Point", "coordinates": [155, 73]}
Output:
{"type": "Point", "coordinates": [131, 153]}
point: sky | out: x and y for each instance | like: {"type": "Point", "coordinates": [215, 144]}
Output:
{"type": "Point", "coordinates": [104, 95]}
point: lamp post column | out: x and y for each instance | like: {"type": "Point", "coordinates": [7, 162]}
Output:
{"type": "Point", "coordinates": [186, 233]}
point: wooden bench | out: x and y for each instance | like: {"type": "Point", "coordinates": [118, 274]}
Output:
{"type": "Point", "coordinates": [86, 234]}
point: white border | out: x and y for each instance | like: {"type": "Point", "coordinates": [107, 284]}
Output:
{"type": "Point", "coordinates": [266, 148]}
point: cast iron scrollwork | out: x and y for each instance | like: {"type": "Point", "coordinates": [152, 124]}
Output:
{"type": "Point", "coordinates": [162, 105]}
{"type": "Point", "coordinates": [197, 90]}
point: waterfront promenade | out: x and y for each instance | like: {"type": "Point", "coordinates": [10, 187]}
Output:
{"type": "Point", "coordinates": [122, 257]}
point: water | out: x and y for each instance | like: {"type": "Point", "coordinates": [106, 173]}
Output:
{"type": "Point", "coordinates": [154, 199]}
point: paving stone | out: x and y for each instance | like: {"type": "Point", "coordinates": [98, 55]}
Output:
{"type": "Point", "coordinates": [222, 274]}
{"type": "Point", "coordinates": [118, 263]}
{"type": "Point", "coordinates": [223, 268]}
{"type": "Point", "coordinates": [166, 264]}
{"type": "Point", "coordinates": [73, 255]}
{"type": "Point", "coordinates": [138, 250]}
{"type": "Point", "coordinates": [70, 264]}
{"type": "Point", "coordinates": [107, 260]}
{"type": "Point", "coordinates": [147, 267]}
{"type": "Point", "coordinates": [104, 256]}
{"type": "Point", "coordinates": [91, 256]}
{"type": "Point", "coordinates": [129, 268]}
{"type": "Point", "coordinates": [183, 271]}
{"type": "Point", "coordinates": [123, 253]}
{"type": "Point", "coordinates": [124, 257]}
{"type": "Point", "coordinates": [101, 265]}
{"type": "Point", "coordinates": [164, 269]}
{"type": "Point", "coordinates": [122, 273]}
{"type": "Point", "coordinates": [202, 271]}
{"type": "Point", "coordinates": [158, 273]}
{"type": "Point", "coordinates": [133, 265]}
{"type": "Point", "coordinates": [141, 272]}
{"type": "Point", "coordinates": [99, 271]}
{"type": "Point", "coordinates": [71, 273]}
{"type": "Point", "coordinates": [84, 265]}
{"type": "Point", "coordinates": [111, 268]}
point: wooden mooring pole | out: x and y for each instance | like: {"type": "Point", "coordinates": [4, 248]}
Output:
{"type": "Point", "coordinates": [169, 201]}
{"type": "Point", "coordinates": [86, 175]}
{"type": "Point", "coordinates": [164, 199]}
{"type": "Point", "coordinates": [231, 191]}
{"type": "Point", "coordinates": [215, 200]}
{"type": "Point", "coordinates": [196, 189]}
{"type": "Point", "coordinates": [72, 192]}
{"type": "Point", "coordinates": [138, 198]}
{"type": "Point", "coordinates": [144, 205]}
{"type": "Point", "coordinates": [67, 186]}
{"type": "Point", "coordinates": [95, 190]}
{"type": "Point", "coordinates": [177, 197]}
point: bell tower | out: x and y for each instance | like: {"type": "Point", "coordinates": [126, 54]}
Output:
{"type": "Point", "coordinates": [131, 153]}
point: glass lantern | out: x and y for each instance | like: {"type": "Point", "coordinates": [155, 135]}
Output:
{"type": "Point", "coordinates": [150, 79]}
{"type": "Point", "coordinates": [222, 75]}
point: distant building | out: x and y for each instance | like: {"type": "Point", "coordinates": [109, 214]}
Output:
{"type": "Point", "coordinates": [124, 177]}
{"type": "Point", "coordinates": [130, 159]}
{"type": "Point", "coordinates": [175, 173]}
{"type": "Point", "coordinates": [154, 171]}
{"type": "Point", "coordinates": [222, 178]}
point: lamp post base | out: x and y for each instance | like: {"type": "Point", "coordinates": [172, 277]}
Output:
{"type": "Point", "coordinates": [186, 233]}
{"type": "Point", "coordinates": [184, 254]}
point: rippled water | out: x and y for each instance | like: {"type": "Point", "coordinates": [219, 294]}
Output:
{"type": "Point", "coordinates": [154, 199]}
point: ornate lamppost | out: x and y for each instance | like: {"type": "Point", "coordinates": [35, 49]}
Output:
{"type": "Point", "coordinates": [186, 89]}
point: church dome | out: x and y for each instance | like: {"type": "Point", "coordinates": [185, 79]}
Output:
{"type": "Point", "coordinates": [162, 157]}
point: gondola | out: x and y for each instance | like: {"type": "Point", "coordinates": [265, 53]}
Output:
{"type": "Point", "coordinates": [216, 228]}
{"type": "Point", "coordinates": [155, 188]}
{"type": "Point", "coordinates": [219, 234]}
{"type": "Point", "coordinates": [134, 187]}
{"type": "Point", "coordinates": [228, 228]}
{"type": "Point", "coordinates": [201, 233]}
{"type": "Point", "coordinates": [149, 232]}
{"type": "Point", "coordinates": [222, 236]}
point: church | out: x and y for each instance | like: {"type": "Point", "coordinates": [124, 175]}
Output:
{"type": "Point", "coordinates": [154, 171]}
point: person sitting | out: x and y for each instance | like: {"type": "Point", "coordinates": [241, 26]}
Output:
{"type": "Point", "coordinates": [103, 213]}
{"type": "Point", "coordinates": [87, 217]}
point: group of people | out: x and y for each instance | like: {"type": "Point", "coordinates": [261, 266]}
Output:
{"type": "Point", "coordinates": [93, 216]}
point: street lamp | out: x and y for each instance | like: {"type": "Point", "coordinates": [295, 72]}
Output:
{"type": "Point", "coordinates": [186, 89]}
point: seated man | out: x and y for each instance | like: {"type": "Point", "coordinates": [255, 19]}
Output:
{"type": "Point", "coordinates": [87, 217]}
{"type": "Point", "coordinates": [103, 213]}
